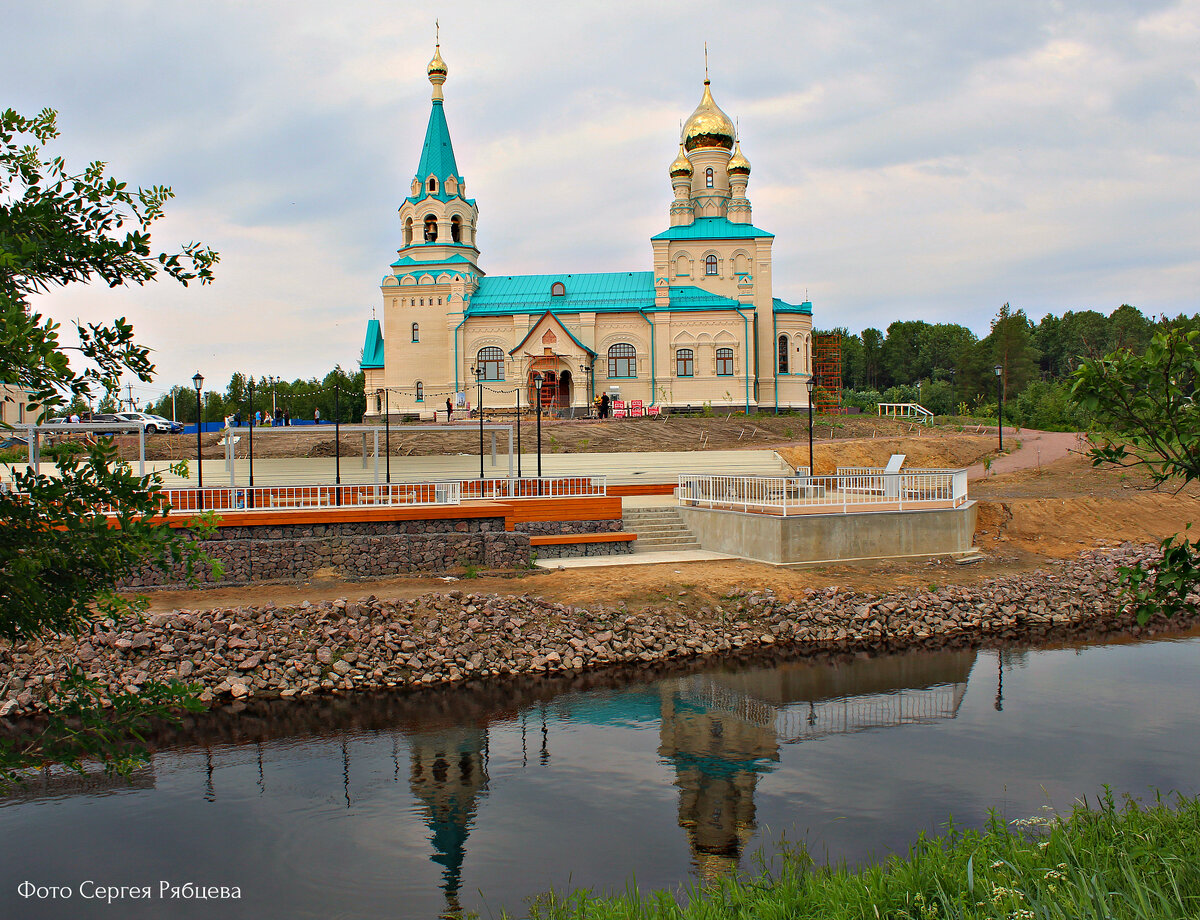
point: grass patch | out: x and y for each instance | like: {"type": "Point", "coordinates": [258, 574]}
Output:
{"type": "Point", "coordinates": [1108, 860]}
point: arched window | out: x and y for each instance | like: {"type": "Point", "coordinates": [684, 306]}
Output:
{"type": "Point", "coordinates": [433, 186]}
{"type": "Point", "coordinates": [491, 359]}
{"type": "Point", "coordinates": [420, 391]}
{"type": "Point", "coordinates": [416, 332]}
{"type": "Point", "coordinates": [684, 362]}
{"type": "Point", "coordinates": [558, 289]}
{"type": "Point", "coordinates": [724, 362]}
{"type": "Point", "coordinates": [430, 228]}
{"type": "Point", "coordinates": [408, 232]}
{"type": "Point", "coordinates": [622, 360]}
{"type": "Point", "coordinates": [456, 228]}
{"type": "Point", "coordinates": [782, 366]}
{"type": "Point", "coordinates": [708, 178]}
{"type": "Point", "coordinates": [710, 265]}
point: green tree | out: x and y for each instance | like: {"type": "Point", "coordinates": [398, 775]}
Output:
{"type": "Point", "coordinates": [872, 356]}
{"type": "Point", "coordinates": [1147, 404]}
{"type": "Point", "coordinates": [59, 555]}
{"type": "Point", "coordinates": [1010, 345]}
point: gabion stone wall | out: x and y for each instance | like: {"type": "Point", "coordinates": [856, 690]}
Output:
{"type": "Point", "coordinates": [354, 550]}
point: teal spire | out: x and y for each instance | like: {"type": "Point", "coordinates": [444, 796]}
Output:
{"type": "Point", "coordinates": [437, 156]}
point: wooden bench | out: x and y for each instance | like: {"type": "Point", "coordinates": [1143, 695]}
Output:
{"type": "Point", "coordinates": [556, 539]}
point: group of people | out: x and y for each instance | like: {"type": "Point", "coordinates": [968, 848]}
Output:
{"type": "Point", "coordinates": [602, 406]}
{"type": "Point", "coordinates": [262, 419]}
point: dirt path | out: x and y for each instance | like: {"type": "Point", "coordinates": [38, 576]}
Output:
{"type": "Point", "coordinates": [1038, 448]}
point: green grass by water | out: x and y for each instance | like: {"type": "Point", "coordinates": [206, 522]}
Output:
{"type": "Point", "coordinates": [1104, 860]}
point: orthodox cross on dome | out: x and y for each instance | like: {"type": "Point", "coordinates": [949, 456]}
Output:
{"type": "Point", "coordinates": [706, 62]}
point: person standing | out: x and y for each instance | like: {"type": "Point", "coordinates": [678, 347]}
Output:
{"type": "Point", "coordinates": [316, 416]}
{"type": "Point", "coordinates": [449, 409]}
{"type": "Point", "coordinates": [604, 406]}
{"type": "Point", "coordinates": [287, 418]}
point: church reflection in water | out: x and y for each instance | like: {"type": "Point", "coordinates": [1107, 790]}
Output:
{"type": "Point", "coordinates": [720, 732]}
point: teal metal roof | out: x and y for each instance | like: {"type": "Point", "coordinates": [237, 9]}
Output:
{"type": "Point", "coordinates": [534, 327]}
{"type": "Point", "coordinates": [586, 293]}
{"type": "Point", "coordinates": [373, 346]}
{"type": "Point", "coordinates": [437, 155]}
{"type": "Point", "coordinates": [690, 297]}
{"type": "Point", "coordinates": [712, 228]}
{"type": "Point", "coordinates": [591, 292]}
{"type": "Point", "coordinates": [409, 260]}
{"type": "Point", "coordinates": [780, 306]}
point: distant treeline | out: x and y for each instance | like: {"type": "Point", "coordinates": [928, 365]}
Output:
{"type": "Point", "coordinates": [950, 371]}
{"type": "Point", "coordinates": [298, 397]}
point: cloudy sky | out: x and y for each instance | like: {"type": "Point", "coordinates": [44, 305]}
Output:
{"type": "Point", "coordinates": [923, 159]}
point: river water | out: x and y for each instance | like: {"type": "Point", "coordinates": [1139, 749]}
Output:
{"type": "Point", "coordinates": [409, 805]}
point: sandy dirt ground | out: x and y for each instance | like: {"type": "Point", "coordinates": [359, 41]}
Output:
{"type": "Point", "coordinates": [1027, 517]}
{"type": "Point", "coordinates": [679, 433]}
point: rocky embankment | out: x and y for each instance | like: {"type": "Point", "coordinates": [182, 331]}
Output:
{"type": "Point", "coordinates": [340, 646]}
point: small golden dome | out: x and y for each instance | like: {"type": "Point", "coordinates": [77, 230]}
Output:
{"type": "Point", "coordinates": [437, 65]}
{"type": "Point", "coordinates": [737, 162]}
{"type": "Point", "coordinates": [682, 165]}
{"type": "Point", "coordinates": [708, 126]}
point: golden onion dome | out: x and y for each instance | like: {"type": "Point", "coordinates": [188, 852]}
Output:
{"type": "Point", "coordinates": [682, 165]}
{"type": "Point", "coordinates": [738, 163]}
{"type": "Point", "coordinates": [708, 126]}
{"type": "Point", "coordinates": [437, 65]}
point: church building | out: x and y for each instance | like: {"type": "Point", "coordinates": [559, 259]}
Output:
{"type": "Point", "coordinates": [701, 327]}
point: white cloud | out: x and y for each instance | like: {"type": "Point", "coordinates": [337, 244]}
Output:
{"type": "Point", "coordinates": [912, 160]}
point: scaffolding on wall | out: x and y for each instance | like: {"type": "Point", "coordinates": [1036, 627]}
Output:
{"type": "Point", "coordinates": [827, 371]}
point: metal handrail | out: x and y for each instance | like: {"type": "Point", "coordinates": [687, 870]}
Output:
{"type": "Point", "coordinates": [875, 491]}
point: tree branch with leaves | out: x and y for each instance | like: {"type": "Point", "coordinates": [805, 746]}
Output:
{"type": "Point", "coordinates": [66, 540]}
{"type": "Point", "coordinates": [1146, 406]}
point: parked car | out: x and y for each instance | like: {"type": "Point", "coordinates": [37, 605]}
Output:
{"type": "Point", "coordinates": [153, 423]}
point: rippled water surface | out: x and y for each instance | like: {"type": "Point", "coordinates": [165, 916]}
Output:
{"type": "Point", "coordinates": [407, 806]}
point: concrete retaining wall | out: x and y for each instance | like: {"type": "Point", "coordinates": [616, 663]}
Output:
{"type": "Point", "coordinates": [830, 537]}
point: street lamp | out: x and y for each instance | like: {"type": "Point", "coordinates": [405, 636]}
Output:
{"type": "Point", "coordinates": [999, 369]}
{"type": "Point", "coordinates": [811, 383]}
{"type": "Point", "coordinates": [537, 387]}
{"type": "Point", "coordinates": [273, 380]}
{"type": "Point", "coordinates": [250, 496]}
{"type": "Point", "coordinates": [478, 371]}
{"type": "Point", "coordinates": [387, 434]}
{"type": "Point", "coordinates": [198, 383]}
{"type": "Point", "coordinates": [590, 370]}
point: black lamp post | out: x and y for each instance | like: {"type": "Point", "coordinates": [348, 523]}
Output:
{"type": "Point", "coordinates": [198, 383]}
{"type": "Point", "coordinates": [537, 387]}
{"type": "Point", "coordinates": [250, 495]}
{"type": "Point", "coordinates": [999, 369]}
{"type": "Point", "coordinates": [518, 432]}
{"type": "Point", "coordinates": [812, 385]}
{"type": "Point", "coordinates": [387, 437]}
{"type": "Point", "coordinates": [337, 445]}
{"type": "Point", "coordinates": [478, 371]}
{"type": "Point", "coordinates": [589, 369]}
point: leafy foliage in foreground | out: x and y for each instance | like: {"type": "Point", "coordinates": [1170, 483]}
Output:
{"type": "Point", "coordinates": [60, 557]}
{"type": "Point", "coordinates": [1148, 404]}
{"type": "Point", "coordinates": [84, 726]}
{"type": "Point", "coordinates": [1125, 862]}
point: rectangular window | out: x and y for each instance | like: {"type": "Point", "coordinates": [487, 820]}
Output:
{"type": "Point", "coordinates": [684, 363]}
{"type": "Point", "coordinates": [724, 362]}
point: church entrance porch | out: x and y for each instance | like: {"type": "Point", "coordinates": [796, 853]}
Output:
{"type": "Point", "coordinates": [557, 387]}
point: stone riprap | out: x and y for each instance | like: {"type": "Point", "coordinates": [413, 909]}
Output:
{"type": "Point", "coordinates": [338, 646]}
{"type": "Point", "coordinates": [569, 550]}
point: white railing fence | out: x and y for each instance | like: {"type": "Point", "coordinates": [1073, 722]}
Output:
{"type": "Point", "coordinates": [905, 410]}
{"type": "Point", "coordinates": [868, 491]}
{"type": "Point", "coordinates": [361, 495]}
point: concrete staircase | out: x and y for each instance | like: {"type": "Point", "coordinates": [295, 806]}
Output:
{"type": "Point", "coordinates": [659, 529]}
